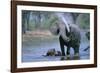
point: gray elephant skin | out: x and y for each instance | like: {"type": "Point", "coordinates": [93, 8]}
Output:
{"type": "Point", "coordinates": [67, 38]}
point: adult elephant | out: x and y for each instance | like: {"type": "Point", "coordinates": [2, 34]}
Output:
{"type": "Point", "coordinates": [69, 36]}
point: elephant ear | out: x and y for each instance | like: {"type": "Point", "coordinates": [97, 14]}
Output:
{"type": "Point", "coordinates": [54, 29]}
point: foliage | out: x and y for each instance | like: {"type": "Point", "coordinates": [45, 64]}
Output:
{"type": "Point", "coordinates": [84, 21]}
{"type": "Point", "coordinates": [32, 20]}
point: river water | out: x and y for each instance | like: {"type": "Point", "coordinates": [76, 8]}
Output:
{"type": "Point", "coordinates": [34, 49]}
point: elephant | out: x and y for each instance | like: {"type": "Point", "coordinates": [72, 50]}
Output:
{"type": "Point", "coordinates": [69, 38]}
{"type": "Point", "coordinates": [53, 52]}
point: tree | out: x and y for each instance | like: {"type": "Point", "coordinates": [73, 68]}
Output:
{"type": "Point", "coordinates": [25, 20]}
{"type": "Point", "coordinates": [75, 16]}
{"type": "Point", "coordinates": [83, 20]}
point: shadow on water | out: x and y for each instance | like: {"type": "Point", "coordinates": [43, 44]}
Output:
{"type": "Point", "coordinates": [33, 50]}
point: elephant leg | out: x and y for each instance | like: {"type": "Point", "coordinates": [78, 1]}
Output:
{"type": "Point", "coordinates": [62, 49]}
{"type": "Point", "coordinates": [62, 46]}
{"type": "Point", "coordinates": [68, 52]}
{"type": "Point", "coordinates": [76, 53]}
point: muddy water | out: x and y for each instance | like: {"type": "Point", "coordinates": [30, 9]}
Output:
{"type": "Point", "coordinates": [34, 49]}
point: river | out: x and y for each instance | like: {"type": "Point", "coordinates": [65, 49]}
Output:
{"type": "Point", "coordinates": [34, 49]}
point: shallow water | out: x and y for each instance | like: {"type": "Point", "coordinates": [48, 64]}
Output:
{"type": "Point", "coordinates": [33, 50]}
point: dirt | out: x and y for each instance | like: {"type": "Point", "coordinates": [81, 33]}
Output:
{"type": "Point", "coordinates": [37, 33]}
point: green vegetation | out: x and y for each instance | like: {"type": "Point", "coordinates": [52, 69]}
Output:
{"type": "Point", "coordinates": [37, 20]}
{"type": "Point", "coordinates": [32, 20]}
{"type": "Point", "coordinates": [84, 21]}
